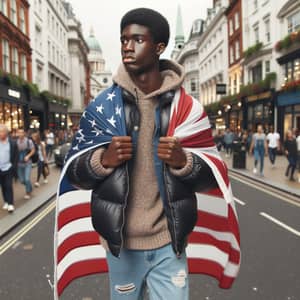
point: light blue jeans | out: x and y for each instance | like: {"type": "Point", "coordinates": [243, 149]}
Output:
{"type": "Point", "coordinates": [164, 275]}
{"type": "Point", "coordinates": [24, 173]}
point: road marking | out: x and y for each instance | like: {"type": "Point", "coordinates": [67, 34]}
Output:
{"type": "Point", "coordinates": [9, 243]}
{"type": "Point", "coordinates": [272, 219]}
{"type": "Point", "coordinates": [265, 190]}
{"type": "Point", "coordinates": [239, 201]}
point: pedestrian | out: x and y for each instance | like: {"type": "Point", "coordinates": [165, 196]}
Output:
{"type": "Point", "coordinates": [259, 148]}
{"type": "Point", "coordinates": [218, 138]}
{"type": "Point", "coordinates": [26, 151]}
{"type": "Point", "coordinates": [273, 140]}
{"type": "Point", "coordinates": [290, 150]}
{"type": "Point", "coordinates": [8, 167]}
{"type": "Point", "coordinates": [42, 163]}
{"type": "Point", "coordinates": [143, 225]}
{"type": "Point", "coordinates": [228, 142]}
{"type": "Point", "coordinates": [50, 141]}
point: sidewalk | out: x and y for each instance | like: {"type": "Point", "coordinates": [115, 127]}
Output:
{"type": "Point", "coordinates": [272, 176]}
{"type": "Point", "coordinates": [23, 207]}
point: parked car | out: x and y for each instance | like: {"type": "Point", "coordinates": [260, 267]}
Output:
{"type": "Point", "coordinates": [60, 153]}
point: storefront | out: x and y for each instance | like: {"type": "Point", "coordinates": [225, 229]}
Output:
{"type": "Point", "coordinates": [235, 117]}
{"type": "Point", "coordinates": [288, 111]}
{"type": "Point", "coordinates": [13, 107]}
{"type": "Point", "coordinates": [57, 118]}
{"type": "Point", "coordinates": [37, 114]}
{"type": "Point", "coordinates": [259, 111]}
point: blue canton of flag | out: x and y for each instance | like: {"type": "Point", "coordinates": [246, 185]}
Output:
{"type": "Point", "coordinates": [102, 119]}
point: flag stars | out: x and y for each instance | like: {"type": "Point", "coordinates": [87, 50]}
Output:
{"type": "Point", "coordinates": [80, 138]}
{"type": "Point", "coordinates": [100, 109]}
{"type": "Point", "coordinates": [118, 110]}
{"type": "Point", "coordinates": [93, 123]}
{"type": "Point", "coordinates": [110, 96]}
{"type": "Point", "coordinates": [97, 131]}
{"type": "Point", "coordinates": [84, 114]}
{"type": "Point", "coordinates": [112, 121]}
{"type": "Point", "coordinates": [76, 148]}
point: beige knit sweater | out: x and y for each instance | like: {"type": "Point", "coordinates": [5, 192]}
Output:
{"type": "Point", "coordinates": [146, 225]}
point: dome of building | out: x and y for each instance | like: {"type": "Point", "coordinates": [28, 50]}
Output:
{"type": "Point", "coordinates": [92, 42]}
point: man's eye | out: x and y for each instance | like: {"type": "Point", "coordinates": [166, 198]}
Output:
{"type": "Point", "coordinates": [139, 40]}
{"type": "Point", "coordinates": [124, 42]}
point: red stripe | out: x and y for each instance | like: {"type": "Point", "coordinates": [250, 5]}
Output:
{"type": "Point", "coordinates": [207, 239]}
{"type": "Point", "coordinates": [214, 192]}
{"type": "Point", "coordinates": [210, 268]}
{"type": "Point", "coordinates": [73, 213]}
{"type": "Point", "coordinates": [181, 112]}
{"type": "Point", "coordinates": [218, 223]}
{"type": "Point", "coordinates": [201, 139]}
{"type": "Point", "coordinates": [77, 240]}
{"type": "Point", "coordinates": [79, 269]}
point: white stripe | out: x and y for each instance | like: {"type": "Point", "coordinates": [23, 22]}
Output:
{"type": "Point", "coordinates": [80, 254]}
{"type": "Point", "coordinates": [221, 236]}
{"type": "Point", "coordinates": [73, 198]}
{"type": "Point", "coordinates": [290, 229]}
{"type": "Point", "coordinates": [212, 205]}
{"type": "Point", "coordinates": [213, 254]}
{"type": "Point", "coordinates": [71, 228]}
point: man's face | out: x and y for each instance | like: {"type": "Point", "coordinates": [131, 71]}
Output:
{"type": "Point", "coordinates": [3, 134]}
{"type": "Point", "coordinates": [139, 52]}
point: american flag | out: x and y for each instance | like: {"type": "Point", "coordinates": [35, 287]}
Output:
{"type": "Point", "coordinates": [214, 244]}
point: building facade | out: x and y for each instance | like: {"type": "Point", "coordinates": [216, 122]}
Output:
{"type": "Point", "coordinates": [15, 60]}
{"type": "Point", "coordinates": [101, 78]}
{"type": "Point", "coordinates": [79, 69]}
{"type": "Point", "coordinates": [212, 53]}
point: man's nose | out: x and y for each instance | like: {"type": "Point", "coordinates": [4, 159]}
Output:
{"type": "Point", "coordinates": [129, 46]}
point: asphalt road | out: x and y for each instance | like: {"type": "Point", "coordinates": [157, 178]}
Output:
{"type": "Point", "coordinates": [270, 231]}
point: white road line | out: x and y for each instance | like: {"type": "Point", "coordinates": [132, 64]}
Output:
{"type": "Point", "coordinates": [239, 201]}
{"type": "Point", "coordinates": [272, 219]}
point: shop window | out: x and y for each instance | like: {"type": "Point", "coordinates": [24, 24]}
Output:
{"type": "Point", "coordinates": [297, 69]}
{"type": "Point", "coordinates": [294, 22]}
{"type": "Point", "coordinates": [5, 56]}
{"type": "Point", "coordinates": [3, 7]}
{"type": "Point", "coordinates": [258, 111]}
{"type": "Point", "coordinates": [250, 113]}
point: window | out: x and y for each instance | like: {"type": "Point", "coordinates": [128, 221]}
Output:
{"type": "Point", "coordinates": [256, 33]}
{"type": "Point", "coordinates": [255, 5]}
{"type": "Point", "coordinates": [48, 18]}
{"type": "Point", "coordinates": [3, 7]}
{"type": "Point", "coordinates": [294, 22]}
{"type": "Point", "coordinates": [22, 20]}
{"type": "Point", "coordinates": [13, 11]}
{"type": "Point", "coordinates": [23, 67]}
{"type": "Point", "coordinates": [267, 66]}
{"type": "Point", "coordinates": [231, 58]}
{"type": "Point", "coordinates": [5, 56]}
{"type": "Point", "coordinates": [297, 69]}
{"type": "Point", "coordinates": [267, 30]}
{"type": "Point", "coordinates": [193, 85]}
{"type": "Point", "coordinates": [230, 27]}
{"type": "Point", "coordinates": [257, 73]}
{"type": "Point", "coordinates": [236, 21]}
{"type": "Point", "coordinates": [15, 61]}
{"type": "Point", "coordinates": [237, 49]}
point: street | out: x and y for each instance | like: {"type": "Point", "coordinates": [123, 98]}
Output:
{"type": "Point", "coordinates": [270, 243]}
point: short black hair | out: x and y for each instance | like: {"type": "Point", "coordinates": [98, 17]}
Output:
{"type": "Point", "coordinates": [157, 23]}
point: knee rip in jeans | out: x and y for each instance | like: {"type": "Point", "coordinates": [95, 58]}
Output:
{"type": "Point", "coordinates": [179, 279]}
{"type": "Point", "coordinates": [126, 288]}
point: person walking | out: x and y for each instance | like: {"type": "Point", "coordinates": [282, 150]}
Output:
{"type": "Point", "coordinates": [50, 141]}
{"type": "Point", "coordinates": [8, 167]}
{"type": "Point", "coordinates": [143, 181]}
{"type": "Point", "coordinates": [26, 151]}
{"type": "Point", "coordinates": [228, 142]}
{"type": "Point", "coordinates": [290, 150]}
{"type": "Point", "coordinates": [273, 140]}
{"type": "Point", "coordinates": [42, 163]}
{"type": "Point", "coordinates": [259, 148]}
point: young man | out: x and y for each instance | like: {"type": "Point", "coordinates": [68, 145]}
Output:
{"type": "Point", "coordinates": [143, 183]}
{"type": "Point", "coordinates": [8, 166]}
{"type": "Point", "coordinates": [273, 139]}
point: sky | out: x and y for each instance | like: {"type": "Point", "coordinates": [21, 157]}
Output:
{"type": "Point", "coordinates": [104, 17]}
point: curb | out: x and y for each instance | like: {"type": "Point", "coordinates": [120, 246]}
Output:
{"type": "Point", "coordinates": [274, 186]}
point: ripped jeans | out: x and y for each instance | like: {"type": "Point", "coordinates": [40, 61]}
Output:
{"type": "Point", "coordinates": [164, 275]}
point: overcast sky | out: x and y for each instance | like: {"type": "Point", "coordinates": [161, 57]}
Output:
{"type": "Point", "coordinates": [105, 16]}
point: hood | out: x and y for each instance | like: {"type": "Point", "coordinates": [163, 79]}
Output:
{"type": "Point", "coordinates": [172, 74]}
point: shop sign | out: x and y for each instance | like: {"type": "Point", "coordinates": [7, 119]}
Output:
{"type": "Point", "coordinates": [14, 94]}
{"type": "Point", "coordinates": [221, 89]}
{"type": "Point", "coordinates": [259, 97]}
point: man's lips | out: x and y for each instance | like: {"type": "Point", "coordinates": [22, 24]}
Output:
{"type": "Point", "coordinates": [128, 59]}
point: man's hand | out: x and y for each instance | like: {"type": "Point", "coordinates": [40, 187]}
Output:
{"type": "Point", "coordinates": [118, 152]}
{"type": "Point", "coordinates": [170, 151]}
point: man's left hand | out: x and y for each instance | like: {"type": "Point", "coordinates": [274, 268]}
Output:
{"type": "Point", "coordinates": [170, 151]}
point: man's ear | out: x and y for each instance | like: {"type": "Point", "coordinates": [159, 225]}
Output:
{"type": "Point", "coordinates": [160, 48]}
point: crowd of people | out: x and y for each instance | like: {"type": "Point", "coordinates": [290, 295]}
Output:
{"type": "Point", "coordinates": [260, 144]}
{"type": "Point", "coordinates": [19, 152]}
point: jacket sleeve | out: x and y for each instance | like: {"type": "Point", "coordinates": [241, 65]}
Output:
{"type": "Point", "coordinates": [201, 177]}
{"type": "Point", "coordinates": [86, 171]}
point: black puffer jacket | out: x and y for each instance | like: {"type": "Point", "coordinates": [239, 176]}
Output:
{"type": "Point", "coordinates": [109, 196]}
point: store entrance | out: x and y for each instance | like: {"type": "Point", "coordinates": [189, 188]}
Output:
{"type": "Point", "coordinates": [36, 120]}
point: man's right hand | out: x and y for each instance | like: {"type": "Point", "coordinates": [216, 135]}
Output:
{"type": "Point", "coordinates": [118, 152]}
